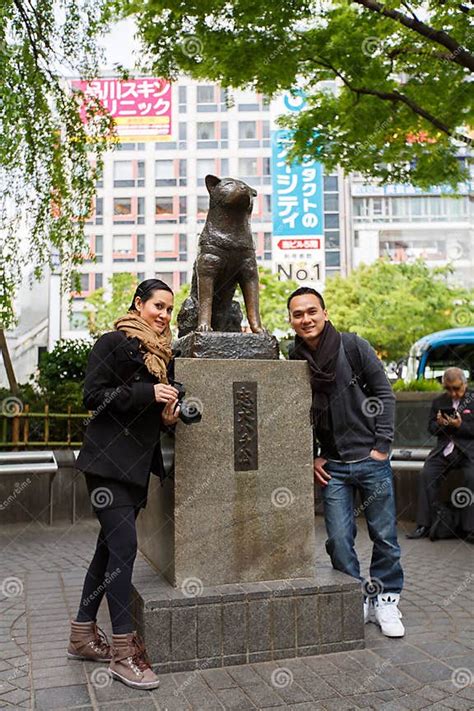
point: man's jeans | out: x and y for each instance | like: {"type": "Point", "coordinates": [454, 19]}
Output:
{"type": "Point", "coordinates": [374, 480]}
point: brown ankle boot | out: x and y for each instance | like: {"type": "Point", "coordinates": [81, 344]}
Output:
{"type": "Point", "coordinates": [88, 642]}
{"type": "Point", "coordinates": [130, 663]}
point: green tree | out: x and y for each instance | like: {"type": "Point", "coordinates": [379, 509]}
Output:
{"type": "Point", "coordinates": [61, 374]}
{"type": "Point", "coordinates": [393, 305]}
{"type": "Point", "coordinates": [404, 99]}
{"type": "Point", "coordinates": [104, 310]}
{"type": "Point", "coordinates": [47, 178]}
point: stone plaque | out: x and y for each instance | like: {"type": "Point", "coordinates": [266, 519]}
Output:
{"type": "Point", "coordinates": [245, 426]}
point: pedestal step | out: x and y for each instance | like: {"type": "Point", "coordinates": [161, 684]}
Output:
{"type": "Point", "coordinates": [195, 627]}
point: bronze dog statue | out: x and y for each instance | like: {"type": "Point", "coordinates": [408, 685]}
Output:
{"type": "Point", "coordinates": [225, 258]}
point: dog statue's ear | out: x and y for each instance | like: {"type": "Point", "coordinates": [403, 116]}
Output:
{"type": "Point", "coordinates": [211, 182]}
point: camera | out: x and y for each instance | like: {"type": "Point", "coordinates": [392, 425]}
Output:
{"type": "Point", "coordinates": [190, 410]}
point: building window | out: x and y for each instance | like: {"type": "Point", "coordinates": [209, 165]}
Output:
{"type": "Point", "coordinates": [267, 207]}
{"type": "Point", "coordinates": [164, 173]}
{"type": "Point", "coordinates": [333, 259]}
{"type": "Point", "coordinates": [206, 98]}
{"type": "Point", "coordinates": [129, 210]}
{"type": "Point", "coordinates": [165, 247]}
{"type": "Point", "coordinates": [248, 134]}
{"type": "Point", "coordinates": [332, 239]}
{"type": "Point", "coordinates": [331, 202]}
{"type": "Point", "coordinates": [206, 134]}
{"type": "Point", "coordinates": [224, 168]}
{"type": "Point", "coordinates": [140, 248]}
{"type": "Point", "coordinates": [267, 176]}
{"type": "Point", "coordinates": [129, 174]}
{"type": "Point", "coordinates": [248, 101]}
{"type": "Point", "coordinates": [267, 245]}
{"type": "Point", "coordinates": [122, 246]}
{"type": "Point", "coordinates": [202, 207]}
{"type": "Point", "coordinates": [248, 169]}
{"type": "Point", "coordinates": [204, 166]}
{"type": "Point", "coordinates": [331, 221]}
{"type": "Point", "coordinates": [183, 247]}
{"type": "Point", "coordinates": [97, 216]}
{"type": "Point", "coordinates": [167, 277]}
{"type": "Point", "coordinates": [182, 134]}
{"type": "Point", "coordinates": [183, 171]}
{"type": "Point", "coordinates": [182, 99]}
{"type": "Point", "coordinates": [172, 208]}
{"type": "Point", "coordinates": [183, 278]}
{"type": "Point", "coordinates": [130, 147]}
{"type": "Point", "coordinates": [78, 321]}
{"type": "Point", "coordinates": [330, 183]}
{"type": "Point", "coordinates": [85, 283]}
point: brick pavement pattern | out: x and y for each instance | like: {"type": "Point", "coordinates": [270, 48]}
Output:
{"type": "Point", "coordinates": [41, 574]}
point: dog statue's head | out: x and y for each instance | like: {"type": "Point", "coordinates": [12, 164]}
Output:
{"type": "Point", "coordinates": [230, 193]}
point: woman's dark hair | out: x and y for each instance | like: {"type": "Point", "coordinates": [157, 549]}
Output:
{"type": "Point", "coordinates": [146, 289]}
{"type": "Point", "coordinates": [305, 290]}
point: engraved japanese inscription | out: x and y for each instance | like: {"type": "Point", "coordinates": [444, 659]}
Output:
{"type": "Point", "coordinates": [245, 426]}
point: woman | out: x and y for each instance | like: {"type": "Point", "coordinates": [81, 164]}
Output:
{"type": "Point", "coordinates": [127, 388]}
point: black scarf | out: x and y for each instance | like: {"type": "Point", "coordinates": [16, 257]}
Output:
{"type": "Point", "coordinates": [322, 364]}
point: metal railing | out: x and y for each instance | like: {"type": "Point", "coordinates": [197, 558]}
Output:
{"type": "Point", "coordinates": [16, 430]}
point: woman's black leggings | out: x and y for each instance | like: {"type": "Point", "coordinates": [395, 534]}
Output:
{"type": "Point", "coordinates": [110, 571]}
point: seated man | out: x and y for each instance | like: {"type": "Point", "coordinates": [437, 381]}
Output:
{"type": "Point", "coordinates": [454, 450]}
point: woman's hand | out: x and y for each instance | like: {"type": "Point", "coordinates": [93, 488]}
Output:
{"type": "Point", "coordinates": [170, 414]}
{"type": "Point", "coordinates": [165, 393]}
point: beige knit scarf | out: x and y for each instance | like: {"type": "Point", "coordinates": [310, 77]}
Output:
{"type": "Point", "coordinates": [156, 347]}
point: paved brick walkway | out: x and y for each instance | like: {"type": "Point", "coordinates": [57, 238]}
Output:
{"type": "Point", "coordinates": [41, 573]}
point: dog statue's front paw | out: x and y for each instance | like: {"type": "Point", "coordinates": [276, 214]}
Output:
{"type": "Point", "coordinates": [203, 328]}
{"type": "Point", "coordinates": [258, 329]}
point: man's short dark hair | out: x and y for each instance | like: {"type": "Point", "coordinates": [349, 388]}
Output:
{"type": "Point", "coordinates": [306, 290]}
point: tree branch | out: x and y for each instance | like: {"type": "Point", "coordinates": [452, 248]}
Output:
{"type": "Point", "coordinates": [398, 97]}
{"type": "Point", "coordinates": [459, 54]}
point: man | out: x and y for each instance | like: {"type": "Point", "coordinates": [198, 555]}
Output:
{"type": "Point", "coordinates": [452, 421]}
{"type": "Point", "coordinates": [354, 430]}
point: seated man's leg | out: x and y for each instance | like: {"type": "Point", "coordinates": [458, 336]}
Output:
{"type": "Point", "coordinates": [338, 498]}
{"type": "Point", "coordinates": [467, 510]}
{"type": "Point", "coordinates": [434, 469]}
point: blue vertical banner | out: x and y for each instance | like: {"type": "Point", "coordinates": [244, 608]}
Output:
{"type": "Point", "coordinates": [298, 199]}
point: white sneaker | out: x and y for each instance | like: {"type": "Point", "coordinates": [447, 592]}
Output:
{"type": "Point", "coordinates": [387, 615]}
{"type": "Point", "coordinates": [369, 610]}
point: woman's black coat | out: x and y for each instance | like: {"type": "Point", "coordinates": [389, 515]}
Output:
{"type": "Point", "coordinates": [122, 438]}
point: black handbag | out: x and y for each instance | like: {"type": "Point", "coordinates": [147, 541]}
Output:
{"type": "Point", "coordinates": [446, 522]}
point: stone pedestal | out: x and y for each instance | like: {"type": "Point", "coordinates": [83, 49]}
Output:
{"type": "Point", "coordinates": [249, 346]}
{"type": "Point", "coordinates": [230, 542]}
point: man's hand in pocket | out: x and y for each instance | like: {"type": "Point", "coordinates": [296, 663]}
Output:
{"type": "Point", "coordinates": [320, 474]}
